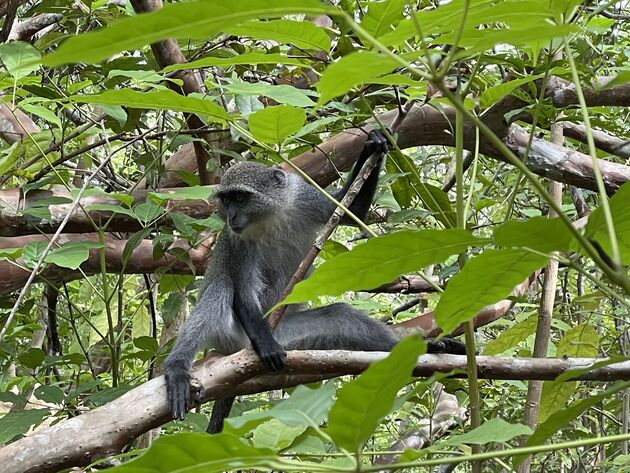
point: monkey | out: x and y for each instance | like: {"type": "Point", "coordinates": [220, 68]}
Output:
{"type": "Point", "coordinates": [271, 220]}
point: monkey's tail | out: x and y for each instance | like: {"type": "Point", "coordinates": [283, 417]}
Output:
{"type": "Point", "coordinates": [220, 411]}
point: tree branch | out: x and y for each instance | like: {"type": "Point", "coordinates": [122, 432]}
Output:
{"type": "Point", "coordinates": [107, 429]}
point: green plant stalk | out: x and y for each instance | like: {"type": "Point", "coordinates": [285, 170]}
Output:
{"type": "Point", "coordinates": [601, 188]}
{"type": "Point", "coordinates": [469, 334]}
{"type": "Point", "coordinates": [110, 321]}
{"type": "Point", "coordinates": [505, 453]}
{"type": "Point", "coordinates": [617, 276]}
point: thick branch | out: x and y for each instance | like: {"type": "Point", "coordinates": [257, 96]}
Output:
{"type": "Point", "coordinates": [107, 429]}
{"type": "Point", "coordinates": [13, 277]}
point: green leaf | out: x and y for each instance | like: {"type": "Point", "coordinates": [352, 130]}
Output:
{"type": "Point", "coordinates": [380, 260]}
{"type": "Point", "coordinates": [492, 95]}
{"type": "Point", "coordinates": [71, 255]}
{"type": "Point", "coordinates": [284, 94]}
{"type": "Point", "coordinates": [159, 100]}
{"type": "Point", "coordinates": [20, 59]}
{"type": "Point", "coordinates": [494, 430]}
{"type": "Point", "coordinates": [302, 34]}
{"type": "Point", "coordinates": [49, 393]}
{"type": "Point", "coordinates": [199, 453]}
{"type": "Point", "coordinates": [274, 434]}
{"type": "Point", "coordinates": [484, 280]}
{"type": "Point", "coordinates": [147, 212]}
{"type": "Point", "coordinates": [363, 402]}
{"type": "Point", "coordinates": [46, 113]}
{"type": "Point", "coordinates": [149, 344]}
{"type": "Point", "coordinates": [305, 407]}
{"type": "Point", "coordinates": [382, 16]}
{"type": "Point", "coordinates": [32, 358]}
{"type": "Point", "coordinates": [352, 70]}
{"type": "Point", "coordinates": [552, 425]}
{"type": "Point", "coordinates": [511, 337]}
{"type": "Point", "coordinates": [582, 341]}
{"type": "Point", "coordinates": [596, 226]}
{"type": "Point", "coordinates": [19, 422]}
{"type": "Point", "coordinates": [247, 58]}
{"type": "Point", "coordinates": [114, 209]}
{"type": "Point", "coordinates": [195, 20]}
{"type": "Point", "coordinates": [538, 233]}
{"type": "Point", "coordinates": [273, 124]}
{"type": "Point", "coordinates": [183, 193]}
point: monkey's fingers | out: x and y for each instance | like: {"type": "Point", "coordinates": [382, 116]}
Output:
{"type": "Point", "coordinates": [275, 359]}
{"type": "Point", "coordinates": [178, 392]}
{"type": "Point", "coordinates": [446, 345]}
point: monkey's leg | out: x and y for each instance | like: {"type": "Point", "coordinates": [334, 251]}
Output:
{"type": "Point", "coordinates": [220, 411]}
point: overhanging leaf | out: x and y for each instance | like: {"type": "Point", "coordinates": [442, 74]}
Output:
{"type": "Point", "coordinates": [159, 100]}
{"type": "Point", "coordinates": [380, 260]}
{"type": "Point", "coordinates": [274, 124]}
{"type": "Point", "coordinates": [18, 422]}
{"type": "Point", "coordinates": [352, 70]}
{"type": "Point", "coordinates": [485, 279]}
{"type": "Point", "coordinates": [71, 255]}
{"type": "Point", "coordinates": [302, 34]}
{"type": "Point", "coordinates": [196, 20]}
{"type": "Point", "coordinates": [362, 403]}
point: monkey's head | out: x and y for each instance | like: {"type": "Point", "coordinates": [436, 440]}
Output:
{"type": "Point", "coordinates": [251, 196]}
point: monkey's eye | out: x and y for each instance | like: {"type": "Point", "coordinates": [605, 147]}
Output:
{"type": "Point", "coordinates": [225, 199]}
{"type": "Point", "coordinates": [240, 196]}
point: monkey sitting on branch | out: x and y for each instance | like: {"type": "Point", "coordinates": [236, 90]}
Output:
{"type": "Point", "coordinates": [272, 218]}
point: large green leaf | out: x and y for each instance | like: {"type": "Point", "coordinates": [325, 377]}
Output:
{"type": "Point", "coordinates": [381, 17]}
{"type": "Point", "coordinates": [485, 279]}
{"type": "Point", "coordinates": [284, 94]}
{"type": "Point", "coordinates": [197, 20]}
{"type": "Point", "coordinates": [582, 341]}
{"type": "Point", "coordinates": [198, 453]}
{"type": "Point", "coordinates": [71, 255]}
{"type": "Point", "coordinates": [274, 124]}
{"type": "Point", "coordinates": [362, 403]}
{"type": "Point", "coordinates": [381, 260]}
{"type": "Point", "coordinates": [511, 337]}
{"type": "Point", "coordinates": [247, 58]}
{"type": "Point", "coordinates": [159, 100]}
{"type": "Point", "coordinates": [305, 407]}
{"type": "Point", "coordinates": [18, 422]}
{"type": "Point", "coordinates": [302, 34]}
{"type": "Point", "coordinates": [538, 233]}
{"type": "Point", "coordinates": [352, 70]}
{"type": "Point", "coordinates": [494, 430]}
{"type": "Point", "coordinates": [20, 59]}
{"type": "Point", "coordinates": [447, 17]}
{"type": "Point", "coordinates": [620, 209]}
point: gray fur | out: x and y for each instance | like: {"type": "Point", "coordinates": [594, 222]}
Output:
{"type": "Point", "coordinates": [283, 218]}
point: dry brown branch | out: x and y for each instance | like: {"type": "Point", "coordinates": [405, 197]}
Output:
{"type": "Point", "coordinates": [109, 428]}
{"type": "Point", "coordinates": [13, 277]}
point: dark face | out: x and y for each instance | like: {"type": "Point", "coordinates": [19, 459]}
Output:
{"type": "Point", "coordinates": [240, 209]}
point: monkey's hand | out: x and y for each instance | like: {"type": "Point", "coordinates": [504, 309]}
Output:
{"type": "Point", "coordinates": [446, 345]}
{"type": "Point", "coordinates": [178, 387]}
{"type": "Point", "coordinates": [377, 142]}
{"type": "Point", "coordinates": [272, 355]}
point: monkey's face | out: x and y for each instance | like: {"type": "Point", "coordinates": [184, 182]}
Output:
{"type": "Point", "coordinates": [250, 196]}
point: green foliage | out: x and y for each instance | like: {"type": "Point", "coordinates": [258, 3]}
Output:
{"type": "Point", "coordinates": [362, 403]}
{"type": "Point", "coordinates": [484, 280]}
{"type": "Point", "coordinates": [280, 79]}
{"type": "Point", "coordinates": [380, 261]}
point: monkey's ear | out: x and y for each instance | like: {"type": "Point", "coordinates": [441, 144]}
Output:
{"type": "Point", "coordinates": [279, 177]}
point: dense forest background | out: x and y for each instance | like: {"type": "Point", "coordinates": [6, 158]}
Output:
{"type": "Point", "coordinates": [502, 216]}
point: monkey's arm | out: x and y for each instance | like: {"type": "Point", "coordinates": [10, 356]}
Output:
{"type": "Point", "coordinates": [376, 143]}
{"type": "Point", "coordinates": [199, 328]}
{"type": "Point", "coordinates": [250, 315]}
